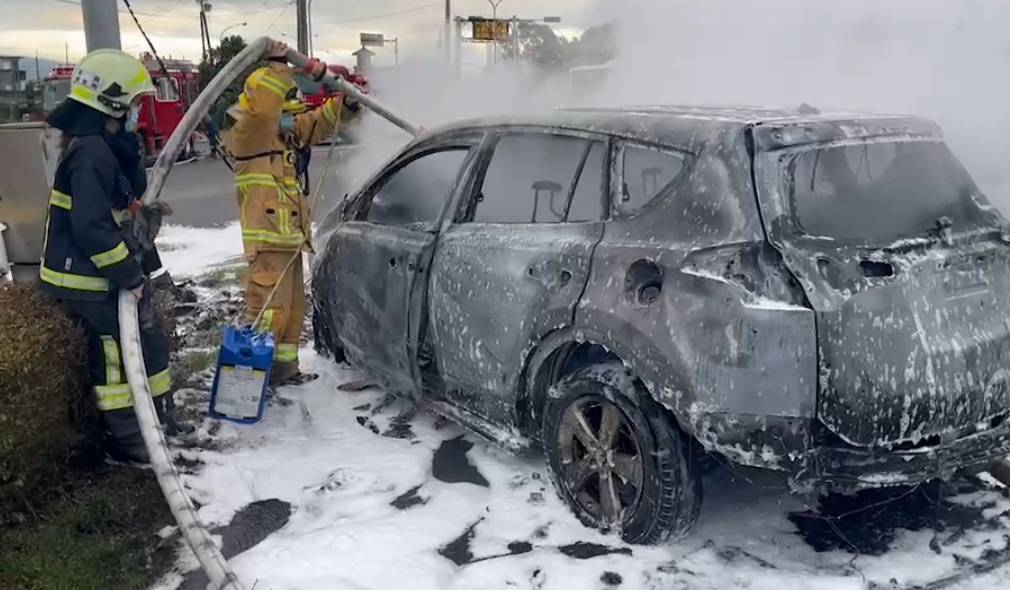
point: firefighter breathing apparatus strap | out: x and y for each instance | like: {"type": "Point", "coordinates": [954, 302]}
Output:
{"type": "Point", "coordinates": [259, 155]}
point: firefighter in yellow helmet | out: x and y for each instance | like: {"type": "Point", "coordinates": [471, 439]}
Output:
{"type": "Point", "coordinates": [270, 129]}
{"type": "Point", "coordinates": [91, 252]}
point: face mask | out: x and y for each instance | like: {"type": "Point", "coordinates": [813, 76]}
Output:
{"type": "Point", "coordinates": [131, 119]}
{"type": "Point", "coordinates": [287, 123]}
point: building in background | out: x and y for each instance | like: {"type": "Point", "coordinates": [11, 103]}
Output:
{"type": "Point", "coordinates": [364, 60]}
{"type": "Point", "coordinates": [12, 88]}
{"type": "Point", "coordinates": [12, 77]}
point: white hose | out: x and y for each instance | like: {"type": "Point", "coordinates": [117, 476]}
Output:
{"type": "Point", "coordinates": [193, 531]}
{"type": "Point", "coordinates": [201, 106]}
{"type": "Point", "coordinates": [194, 115]}
{"type": "Point", "coordinates": [342, 85]}
{"type": "Point", "coordinates": [197, 537]}
{"type": "Point", "coordinates": [5, 265]}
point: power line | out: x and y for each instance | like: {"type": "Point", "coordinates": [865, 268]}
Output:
{"type": "Point", "coordinates": [154, 51]}
{"type": "Point", "coordinates": [280, 14]}
{"type": "Point", "coordinates": [148, 14]}
{"type": "Point", "coordinates": [169, 8]}
{"type": "Point", "coordinates": [387, 15]}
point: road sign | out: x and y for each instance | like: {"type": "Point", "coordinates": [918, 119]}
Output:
{"type": "Point", "coordinates": [373, 40]}
{"type": "Point", "coordinates": [486, 29]}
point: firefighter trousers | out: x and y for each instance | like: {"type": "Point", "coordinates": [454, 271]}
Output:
{"type": "Point", "coordinates": [285, 313]}
{"type": "Point", "coordinates": [100, 320]}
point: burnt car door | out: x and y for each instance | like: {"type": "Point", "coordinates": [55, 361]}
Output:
{"type": "Point", "coordinates": [379, 256]}
{"type": "Point", "coordinates": [514, 262]}
{"type": "Point", "coordinates": [907, 269]}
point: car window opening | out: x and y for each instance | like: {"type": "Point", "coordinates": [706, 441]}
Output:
{"type": "Point", "coordinates": [880, 193]}
{"type": "Point", "coordinates": [416, 192]}
{"type": "Point", "coordinates": [563, 176]}
{"type": "Point", "coordinates": [647, 173]}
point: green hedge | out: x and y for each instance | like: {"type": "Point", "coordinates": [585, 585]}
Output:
{"type": "Point", "coordinates": [42, 403]}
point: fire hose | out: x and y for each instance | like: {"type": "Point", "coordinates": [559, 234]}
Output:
{"type": "Point", "coordinates": [193, 531]}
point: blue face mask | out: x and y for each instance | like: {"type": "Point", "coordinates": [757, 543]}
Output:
{"type": "Point", "coordinates": [131, 119]}
{"type": "Point", "coordinates": [287, 123]}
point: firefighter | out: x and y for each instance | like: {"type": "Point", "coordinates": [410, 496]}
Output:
{"type": "Point", "coordinates": [268, 133]}
{"type": "Point", "coordinates": [91, 250]}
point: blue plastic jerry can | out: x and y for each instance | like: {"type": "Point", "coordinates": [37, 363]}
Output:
{"type": "Point", "coordinates": [243, 372]}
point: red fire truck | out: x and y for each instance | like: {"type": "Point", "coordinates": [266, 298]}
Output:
{"type": "Point", "coordinates": [159, 114]}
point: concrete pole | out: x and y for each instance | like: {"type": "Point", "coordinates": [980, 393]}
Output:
{"type": "Point", "coordinates": [457, 39]}
{"type": "Point", "coordinates": [446, 39]}
{"type": "Point", "coordinates": [303, 26]}
{"type": "Point", "coordinates": [101, 24]}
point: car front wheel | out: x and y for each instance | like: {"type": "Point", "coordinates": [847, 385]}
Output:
{"type": "Point", "coordinates": [617, 459]}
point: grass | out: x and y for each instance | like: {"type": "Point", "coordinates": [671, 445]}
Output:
{"type": "Point", "coordinates": [191, 363]}
{"type": "Point", "coordinates": [100, 534]}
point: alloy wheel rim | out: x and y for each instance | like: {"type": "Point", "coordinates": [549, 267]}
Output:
{"type": "Point", "coordinates": [601, 460]}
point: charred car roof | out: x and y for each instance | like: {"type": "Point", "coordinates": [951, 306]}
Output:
{"type": "Point", "coordinates": [691, 127]}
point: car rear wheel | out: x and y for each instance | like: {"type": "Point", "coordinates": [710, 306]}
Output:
{"type": "Point", "coordinates": [617, 459]}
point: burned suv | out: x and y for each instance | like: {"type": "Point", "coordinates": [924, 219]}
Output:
{"type": "Point", "coordinates": [825, 296]}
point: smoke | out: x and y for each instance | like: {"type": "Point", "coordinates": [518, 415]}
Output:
{"type": "Point", "coordinates": [430, 94]}
{"type": "Point", "coordinates": [944, 59]}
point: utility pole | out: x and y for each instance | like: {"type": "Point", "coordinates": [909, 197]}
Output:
{"type": "Point", "coordinates": [448, 32]}
{"type": "Point", "coordinates": [205, 28]}
{"type": "Point", "coordinates": [303, 26]}
{"type": "Point", "coordinates": [101, 24]}
{"type": "Point", "coordinates": [494, 17]}
{"type": "Point", "coordinates": [311, 35]}
{"type": "Point", "coordinates": [457, 41]}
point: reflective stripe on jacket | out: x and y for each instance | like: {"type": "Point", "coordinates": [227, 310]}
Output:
{"type": "Point", "coordinates": [115, 394]}
{"type": "Point", "coordinates": [84, 254]}
{"type": "Point", "coordinates": [274, 213]}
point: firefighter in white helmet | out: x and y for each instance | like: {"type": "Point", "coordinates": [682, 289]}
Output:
{"type": "Point", "coordinates": [91, 249]}
{"type": "Point", "coordinates": [271, 127]}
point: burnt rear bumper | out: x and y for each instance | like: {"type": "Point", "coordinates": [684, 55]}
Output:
{"type": "Point", "coordinates": [815, 460]}
{"type": "Point", "coordinates": [856, 468]}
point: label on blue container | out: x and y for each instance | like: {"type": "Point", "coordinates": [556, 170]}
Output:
{"type": "Point", "coordinates": [239, 390]}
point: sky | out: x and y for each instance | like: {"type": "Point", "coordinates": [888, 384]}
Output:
{"type": "Point", "coordinates": [946, 59]}
{"type": "Point", "coordinates": [47, 25]}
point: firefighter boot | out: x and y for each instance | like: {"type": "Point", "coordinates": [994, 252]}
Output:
{"type": "Point", "coordinates": [124, 442]}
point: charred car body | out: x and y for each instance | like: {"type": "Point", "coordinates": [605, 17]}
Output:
{"type": "Point", "coordinates": [822, 295]}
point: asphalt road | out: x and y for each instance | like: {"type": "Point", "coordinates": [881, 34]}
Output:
{"type": "Point", "coordinates": [202, 192]}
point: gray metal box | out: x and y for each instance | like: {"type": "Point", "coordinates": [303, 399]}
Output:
{"type": "Point", "coordinates": [29, 153]}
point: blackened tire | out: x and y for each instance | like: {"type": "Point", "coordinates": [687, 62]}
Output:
{"type": "Point", "coordinates": [593, 482]}
{"type": "Point", "coordinates": [324, 340]}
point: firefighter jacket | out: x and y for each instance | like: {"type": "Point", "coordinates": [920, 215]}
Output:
{"type": "Point", "coordinates": [86, 253]}
{"type": "Point", "coordinates": [273, 210]}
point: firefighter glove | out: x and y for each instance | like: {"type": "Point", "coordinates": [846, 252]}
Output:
{"type": "Point", "coordinates": [315, 69]}
{"type": "Point", "coordinates": [150, 218]}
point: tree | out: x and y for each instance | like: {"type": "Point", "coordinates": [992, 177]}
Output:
{"type": "Point", "coordinates": [217, 58]}
{"type": "Point", "coordinates": [540, 45]}
{"type": "Point", "coordinates": [595, 46]}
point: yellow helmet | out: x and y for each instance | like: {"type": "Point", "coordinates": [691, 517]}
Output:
{"type": "Point", "coordinates": [108, 80]}
{"type": "Point", "coordinates": [261, 81]}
